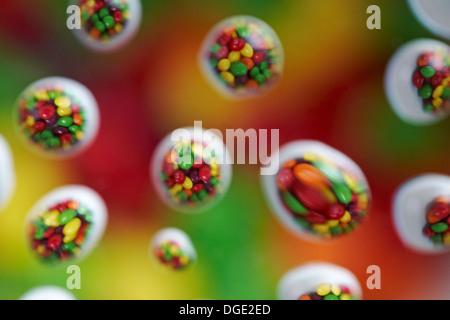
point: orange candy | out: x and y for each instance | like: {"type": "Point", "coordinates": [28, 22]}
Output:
{"type": "Point", "coordinates": [95, 33]}
{"type": "Point", "coordinates": [251, 84]}
{"type": "Point", "coordinates": [77, 119]}
{"type": "Point", "coordinates": [248, 63]}
{"type": "Point", "coordinates": [289, 164]}
{"type": "Point", "coordinates": [310, 175]}
{"type": "Point", "coordinates": [171, 155]}
{"type": "Point", "coordinates": [305, 297]}
{"type": "Point", "coordinates": [432, 218]}
{"type": "Point", "coordinates": [73, 205]}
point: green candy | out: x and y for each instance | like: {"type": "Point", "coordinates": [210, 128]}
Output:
{"type": "Point", "coordinates": [254, 72]}
{"type": "Point", "coordinates": [202, 194]}
{"type": "Point", "coordinates": [214, 181]}
{"type": "Point", "coordinates": [264, 65]}
{"type": "Point", "coordinates": [182, 195]}
{"type": "Point", "coordinates": [427, 72]}
{"type": "Point", "coordinates": [65, 121]}
{"type": "Point", "coordinates": [52, 143]}
{"type": "Point", "coordinates": [39, 232]}
{"type": "Point", "coordinates": [446, 93]}
{"type": "Point", "coordinates": [302, 222]}
{"type": "Point", "coordinates": [74, 128]}
{"type": "Point", "coordinates": [66, 216]}
{"type": "Point", "coordinates": [103, 12]}
{"type": "Point", "coordinates": [267, 73]}
{"type": "Point", "coordinates": [215, 48]}
{"type": "Point", "coordinates": [333, 174]}
{"type": "Point", "coordinates": [95, 18]}
{"type": "Point", "coordinates": [293, 203]}
{"type": "Point", "coordinates": [437, 238]}
{"type": "Point", "coordinates": [69, 246]}
{"type": "Point", "coordinates": [343, 193]}
{"type": "Point", "coordinates": [426, 91]}
{"type": "Point", "coordinates": [186, 161]}
{"type": "Point", "coordinates": [428, 107]}
{"type": "Point", "coordinates": [242, 32]}
{"type": "Point", "coordinates": [238, 69]}
{"type": "Point", "coordinates": [260, 78]}
{"type": "Point", "coordinates": [194, 197]}
{"type": "Point", "coordinates": [163, 176]}
{"type": "Point", "coordinates": [109, 22]}
{"type": "Point", "coordinates": [336, 230]}
{"type": "Point", "coordinates": [331, 297]}
{"type": "Point", "coordinates": [213, 62]}
{"type": "Point", "coordinates": [439, 227]}
{"type": "Point", "coordinates": [100, 26]}
{"type": "Point", "coordinates": [46, 134]}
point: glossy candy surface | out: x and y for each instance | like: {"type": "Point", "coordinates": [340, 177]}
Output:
{"type": "Point", "coordinates": [319, 281]}
{"type": "Point", "coordinates": [57, 117]}
{"type": "Point", "coordinates": [318, 192]}
{"type": "Point", "coordinates": [420, 213]}
{"type": "Point", "coordinates": [66, 224]}
{"type": "Point", "coordinates": [242, 56]}
{"type": "Point", "coordinates": [191, 174]}
{"type": "Point", "coordinates": [173, 249]}
{"type": "Point", "coordinates": [108, 25]}
{"type": "Point", "coordinates": [417, 81]}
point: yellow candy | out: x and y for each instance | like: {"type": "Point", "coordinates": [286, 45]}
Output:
{"type": "Point", "coordinates": [347, 217]}
{"type": "Point", "coordinates": [335, 290]}
{"type": "Point", "coordinates": [346, 296]}
{"type": "Point", "coordinates": [214, 166]}
{"type": "Point", "coordinates": [126, 14]}
{"type": "Point", "coordinates": [224, 65]}
{"type": "Point", "coordinates": [446, 81]}
{"type": "Point", "coordinates": [174, 250]}
{"type": "Point", "coordinates": [214, 172]}
{"type": "Point", "coordinates": [30, 121]}
{"type": "Point", "coordinates": [350, 181]}
{"type": "Point", "coordinates": [91, 3]}
{"type": "Point", "coordinates": [446, 238]}
{"type": "Point", "coordinates": [118, 28]}
{"type": "Point", "coordinates": [323, 289]}
{"type": "Point", "coordinates": [321, 228]}
{"type": "Point", "coordinates": [40, 249]}
{"type": "Point", "coordinates": [438, 91]}
{"type": "Point", "coordinates": [333, 223]}
{"type": "Point", "coordinates": [234, 56]}
{"type": "Point", "coordinates": [62, 102]}
{"type": "Point", "coordinates": [228, 77]}
{"type": "Point", "coordinates": [79, 135]}
{"type": "Point", "coordinates": [51, 218]}
{"type": "Point", "coordinates": [328, 194]}
{"type": "Point", "coordinates": [70, 230]}
{"type": "Point", "coordinates": [310, 156]}
{"type": "Point", "coordinates": [175, 189]}
{"type": "Point", "coordinates": [41, 95]}
{"type": "Point", "coordinates": [184, 260]}
{"type": "Point", "coordinates": [247, 51]}
{"type": "Point", "coordinates": [437, 102]}
{"type": "Point", "coordinates": [63, 112]}
{"type": "Point", "coordinates": [187, 184]}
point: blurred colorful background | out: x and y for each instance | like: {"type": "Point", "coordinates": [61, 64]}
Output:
{"type": "Point", "coordinates": [331, 90]}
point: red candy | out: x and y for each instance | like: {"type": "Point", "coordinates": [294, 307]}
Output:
{"type": "Point", "coordinates": [222, 53]}
{"type": "Point", "coordinates": [428, 232]}
{"type": "Point", "coordinates": [441, 210]}
{"type": "Point", "coordinates": [224, 39]}
{"type": "Point", "coordinates": [48, 232]}
{"type": "Point", "coordinates": [437, 79]}
{"type": "Point", "coordinates": [179, 177]}
{"type": "Point", "coordinates": [54, 241]}
{"type": "Point", "coordinates": [99, 5]}
{"type": "Point", "coordinates": [310, 198]}
{"type": "Point", "coordinates": [65, 138]}
{"type": "Point", "coordinates": [258, 57]}
{"type": "Point", "coordinates": [335, 212]}
{"type": "Point", "coordinates": [197, 187]}
{"type": "Point", "coordinates": [39, 126]}
{"type": "Point", "coordinates": [285, 177]}
{"type": "Point", "coordinates": [237, 44]}
{"type": "Point", "coordinates": [418, 80]}
{"type": "Point", "coordinates": [117, 16]}
{"type": "Point", "coordinates": [46, 112]}
{"type": "Point", "coordinates": [204, 173]}
{"type": "Point", "coordinates": [315, 217]}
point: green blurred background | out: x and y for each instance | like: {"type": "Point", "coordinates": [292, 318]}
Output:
{"type": "Point", "coordinates": [331, 90]}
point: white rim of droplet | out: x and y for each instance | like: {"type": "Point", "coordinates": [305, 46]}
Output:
{"type": "Point", "coordinates": [398, 82]}
{"type": "Point", "coordinates": [87, 103]}
{"type": "Point", "coordinates": [176, 235]}
{"type": "Point", "coordinates": [119, 40]}
{"type": "Point", "coordinates": [7, 174]}
{"type": "Point", "coordinates": [307, 277]}
{"type": "Point", "coordinates": [433, 14]}
{"type": "Point", "coordinates": [87, 198]}
{"type": "Point", "coordinates": [409, 210]}
{"type": "Point", "coordinates": [48, 293]}
{"type": "Point", "coordinates": [221, 151]}
{"type": "Point", "coordinates": [295, 150]}
{"type": "Point", "coordinates": [210, 75]}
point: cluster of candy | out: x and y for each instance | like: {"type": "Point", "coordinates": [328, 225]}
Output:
{"type": "Point", "coordinates": [438, 221]}
{"type": "Point", "coordinates": [104, 19]}
{"type": "Point", "coordinates": [244, 56]}
{"type": "Point", "coordinates": [329, 292]}
{"type": "Point", "coordinates": [59, 233]}
{"type": "Point", "coordinates": [51, 118]}
{"type": "Point", "coordinates": [191, 173]}
{"type": "Point", "coordinates": [432, 79]}
{"type": "Point", "coordinates": [322, 198]}
{"type": "Point", "coordinates": [171, 254]}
